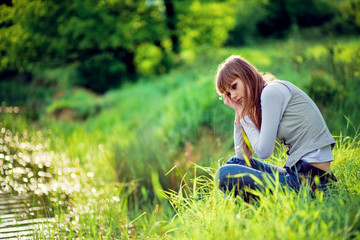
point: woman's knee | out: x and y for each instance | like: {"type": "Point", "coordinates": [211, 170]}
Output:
{"type": "Point", "coordinates": [235, 160]}
{"type": "Point", "coordinates": [231, 176]}
{"type": "Point", "coordinates": [219, 174]}
{"type": "Point", "coordinates": [227, 174]}
{"type": "Point", "coordinates": [221, 177]}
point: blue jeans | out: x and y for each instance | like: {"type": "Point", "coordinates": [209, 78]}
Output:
{"type": "Point", "coordinates": [237, 175]}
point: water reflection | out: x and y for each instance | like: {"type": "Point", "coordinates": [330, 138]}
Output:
{"type": "Point", "coordinates": [33, 182]}
{"type": "Point", "coordinates": [28, 167]}
{"type": "Point", "coordinates": [47, 185]}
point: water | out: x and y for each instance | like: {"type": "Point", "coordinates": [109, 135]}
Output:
{"type": "Point", "coordinates": [33, 181]}
{"type": "Point", "coordinates": [21, 219]}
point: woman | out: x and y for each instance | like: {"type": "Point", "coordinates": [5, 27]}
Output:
{"type": "Point", "coordinates": [267, 109]}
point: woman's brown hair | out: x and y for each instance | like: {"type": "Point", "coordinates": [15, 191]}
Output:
{"type": "Point", "coordinates": [236, 67]}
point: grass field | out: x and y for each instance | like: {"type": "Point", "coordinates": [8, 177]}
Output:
{"type": "Point", "coordinates": [139, 160]}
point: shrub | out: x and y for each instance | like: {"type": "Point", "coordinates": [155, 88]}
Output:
{"type": "Point", "coordinates": [102, 72]}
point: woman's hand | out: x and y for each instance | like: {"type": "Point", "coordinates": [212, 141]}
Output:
{"type": "Point", "coordinates": [231, 103]}
{"type": "Point", "coordinates": [234, 105]}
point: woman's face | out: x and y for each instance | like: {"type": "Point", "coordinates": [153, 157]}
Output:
{"type": "Point", "coordinates": [236, 91]}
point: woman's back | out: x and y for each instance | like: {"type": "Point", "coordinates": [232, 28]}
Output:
{"type": "Point", "coordinates": [302, 127]}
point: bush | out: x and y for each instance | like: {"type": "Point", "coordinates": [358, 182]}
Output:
{"type": "Point", "coordinates": [102, 72]}
{"type": "Point", "coordinates": [205, 24]}
{"type": "Point", "coordinates": [324, 89]}
{"type": "Point", "coordinates": [333, 83]}
{"type": "Point", "coordinates": [78, 104]}
{"type": "Point", "coordinates": [148, 60]}
{"type": "Point", "coordinates": [279, 18]}
{"type": "Point", "coordinates": [248, 15]}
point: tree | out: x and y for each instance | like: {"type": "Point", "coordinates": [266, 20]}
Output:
{"type": "Point", "coordinates": [101, 36]}
{"type": "Point", "coordinates": [205, 23]}
{"type": "Point", "coordinates": [172, 21]}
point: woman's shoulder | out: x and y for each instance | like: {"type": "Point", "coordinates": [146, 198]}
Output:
{"type": "Point", "coordinates": [276, 87]}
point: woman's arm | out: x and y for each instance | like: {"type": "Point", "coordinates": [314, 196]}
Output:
{"type": "Point", "coordinates": [238, 130]}
{"type": "Point", "coordinates": [274, 100]}
{"type": "Point", "coordinates": [238, 140]}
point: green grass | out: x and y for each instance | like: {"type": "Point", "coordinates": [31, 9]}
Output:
{"type": "Point", "coordinates": [144, 154]}
{"type": "Point", "coordinates": [204, 213]}
{"type": "Point", "coordinates": [200, 211]}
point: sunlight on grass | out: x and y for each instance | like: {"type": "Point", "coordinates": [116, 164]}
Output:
{"type": "Point", "coordinates": [205, 212]}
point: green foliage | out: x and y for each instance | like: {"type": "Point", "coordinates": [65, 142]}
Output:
{"type": "Point", "coordinates": [349, 11]}
{"type": "Point", "coordinates": [248, 15]}
{"type": "Point", "coordinates": [205, 23]}
{"type": "Point", "coordinates": [100, 37]}
{"type": "Point", "coordinates": [332, 78]}
{"type": "Point", "coordinates": [61, 78]}
{"type": "Point", "coordinates": [83, 103]}
{"type": "Point", "coordinates": [322, 87]}
{"type": "Point", "coordinates": [101, 72]}
{"type": "Point", "coordinates": [148, 59]}
{"type": "Point", "coordinates": [110, 42]}
{"type": "Point", "coordinates": [30, 97]}
{"type": "Point", "coordinates": [279, 18]}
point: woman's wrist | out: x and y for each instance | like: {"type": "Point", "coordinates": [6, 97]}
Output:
{"type": "Point", "coordinates": [237, 117]}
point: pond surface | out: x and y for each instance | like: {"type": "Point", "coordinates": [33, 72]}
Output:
{"type": "Point", "coordinates": [32, 183]}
